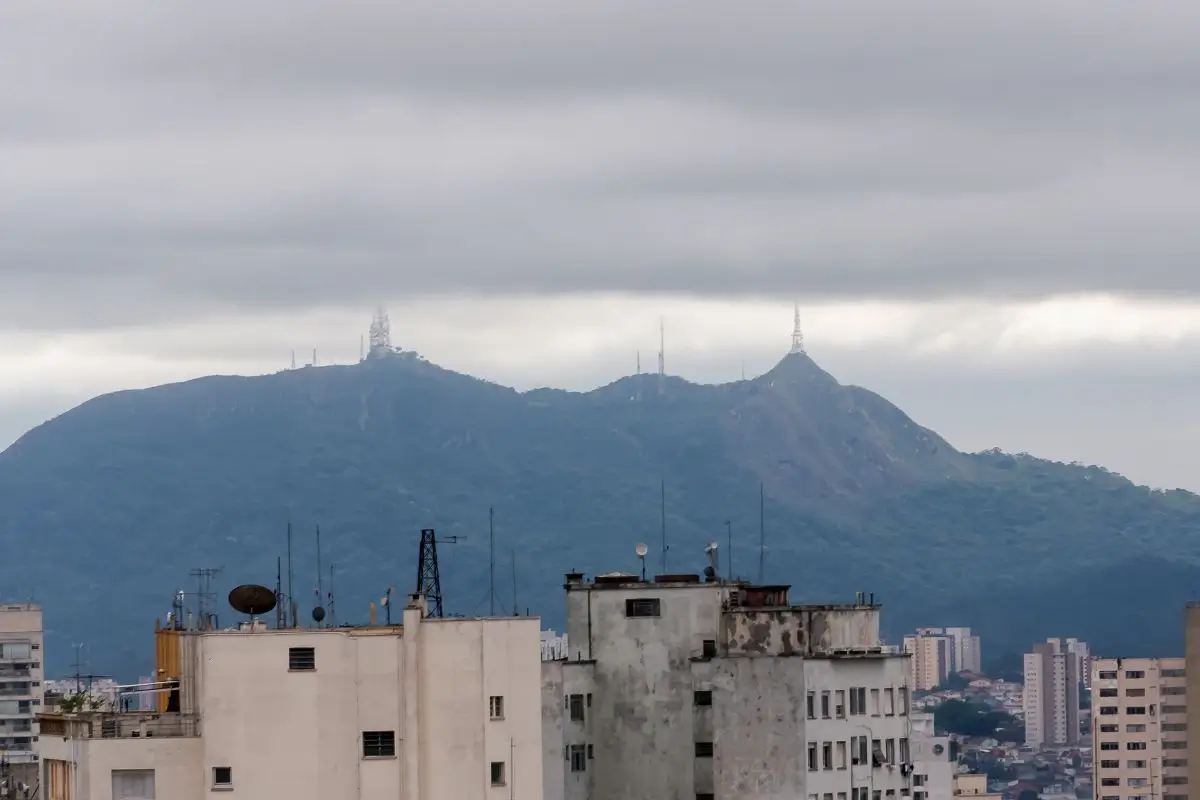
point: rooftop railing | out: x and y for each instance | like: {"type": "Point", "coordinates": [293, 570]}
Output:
{"type": "Point", "coordinates": [114, 725]}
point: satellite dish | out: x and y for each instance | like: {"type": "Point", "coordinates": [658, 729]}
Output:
{"type": "Point", "coordinates": [641, 550]}
{"type": "Point", "coordinates": [252, 599]}
{"type": "Point", "coordinates": [711, 547]}
{"type": "Point", "coordinates": [318, 614]}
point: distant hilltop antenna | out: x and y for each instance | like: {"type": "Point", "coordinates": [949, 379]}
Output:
{"type": "Point", "coordinates": [797, 334]}
{"type": "Point", "coordinates": [380, 334]}
{"type": "Point", "coordinates": [662, 354]}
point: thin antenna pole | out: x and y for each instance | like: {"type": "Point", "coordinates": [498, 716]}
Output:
{"type": "Point", "coordinates": [332, 612]}
{"type": "Point", "coordinates": [362, 353]}
{"type": "Point", "coordinates": [514, 571]}
{"type": "Point", "coordinates": [762, 531]}
{"type": "Point", "coordinates": [320, 588]}
{"type": "Point", "coordinates": [291, 597]}
{"type": "Point", "coordinates": [729, 549]}
{"type": "Point", "coordinates": [279, 613]}
{"type": "Point", "coordinates": [664, 526]}
{"type": "Point", "coordinates": [492, 562]}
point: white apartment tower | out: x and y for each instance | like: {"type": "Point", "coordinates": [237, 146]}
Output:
{"type": "Point", "coordinates": [678, 688]}
{"type": "Point", "coordinates": [1139, 728]}
{"type": "Point", "coordinates": [1051, 696]}
{"type": "Point", "coordinates": [429, 709]}
{"type": "Point", "coordinates": [21, 671]}
{"type": "Point", "coordinates": [968, 656]}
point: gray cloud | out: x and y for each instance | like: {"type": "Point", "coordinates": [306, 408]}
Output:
{"type": "Point", "coordinates": [159, 163]}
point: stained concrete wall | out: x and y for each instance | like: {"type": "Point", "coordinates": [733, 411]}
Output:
{"type": "Point", "coordinates": [800, 630]}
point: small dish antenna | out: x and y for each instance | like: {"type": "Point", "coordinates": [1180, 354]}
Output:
{"type": "Point", "coordinates": [710, 571]}
{"type": "Point", "coordinates": [641, 551]}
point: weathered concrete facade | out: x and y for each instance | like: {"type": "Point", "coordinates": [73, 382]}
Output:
{"type": "Point", "coordinates": [680, 689]}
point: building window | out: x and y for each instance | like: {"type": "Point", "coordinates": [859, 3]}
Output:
{"type": "Point", "coordinates": [1133, 728]}
{"type": "Point", "coordinates": [222, 777]}
{"type": "Point", "coordinates": [1174, 690]}
{"type": "Point", "coordinates": [1135, 692]}
{"type": "Point", "coordinates": [1174, 745]}
{"type": "Point", "coordinates": [827, 755]}
{"type": "Point", "coordinates": [575, 704]}
{"type": "Point", "coordinates": [858, 701]}
{"type": "Point", "coordinates": [1137, 764]}
{"type": "Point", "coordinates": [903, 697]}
{"type": "Point", "coordinates": [702, 698]}
{"type": "Point", "coordinates": [1135, 745]}
{"type": "Point", "coordinates": [133, 783]}
{"type": "Point", "coordinates": [578, 758]}
{"type": "Point", "coordinates": [889, 702]}
{"type": "Point", "coordinates": [1173, 781]}
{"type": "Point", "coordinates": [1175, 727]}
{"type": "Point", "coordinates": [889, 751]}
{"type": "Point", "coordinates": [379, 744]}
{"type": "Point", "coordinates": [1110, 781]}
{"type": "Point", "coordinates": [1110, 746]}
{"type": "Point", "coordinates": [841, 755]}
{"type": "Point", "coordinates": [1108, 692]}
{"type": "Point", "coordinates": [496, 707]}
{"type": "Point", "coordinates": [1175, 762]}
{"type": "Point", "coordinates": [497, 773]}
{"type": "Point", "coordinates": [812, 756]}
{"type": "Point", "coordinates": [1134, 673]}
{"type": "Point", "coordinates": [839, 706]}
{"type": "Point", "coordinates": [705, 796]}
{"type": "Point", "coordinates": [1108, 711]}
{"type": "Point", "coordinates": [1107, 675]}
{"type": "Point", "coordinates": [302, 659]}
{"type": "Point", "coordinates": [1110, 764]}
{"type": "Point", "coordinates": [904, 759]}
{"type": "Point", "coordinates": [1173, 673]}
{"type": "Point", "coordinates": [825, 705]}
{"type": "Point", "coordinates": [875, 703]}
{"type": "Point", "coordinates": [709, 648]}
{"type": "Point", "coordinates": [812, 705]}
{"type": "Point", "coordinates": [1174, 709]}
{"type": "Point", "coordinates": [704, 749]}
{"type": "Point", "coordinates": [640, 607]}
{"type": "Point", "coordinates": [1110, 728]}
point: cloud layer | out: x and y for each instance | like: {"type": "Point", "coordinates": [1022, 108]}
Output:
{"type": "Point", "coordinates": [166, 163]}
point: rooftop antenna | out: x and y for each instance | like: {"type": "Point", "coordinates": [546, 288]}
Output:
{"type": "Point", "coordinates": [665, 546]}
{"type": "Point", "coordinates": [797, 334]}
{"type": "Point", "coordinates": [492, 562]}
{"type": "Point", "coordinates": [318, 613]}
{"type": "Point", "coordinates": [291, 609]}
{"type": "Point", "coordinates": [279, 612]}
{"type": "Point", "coordinates": [729, 535]}
{"type": "Point", "coordinates": [380, 334]}
{"type": "Point", "coordinates": [429, 578]}
{"type": "Point", "coordinates": [386, 602]}
{"type": "Point", "coordinates": [662, 354]}
{"type": "Point", "coordinates": [332, 610]}
{"type": "Point", "coordinates": [710, 572]}
{"type": "Point", "coordinates": [516, 612]}
{"type": "Point", "coordinates": [641, 551]}
{"type": "Point", "coordinates": [206, 619]}
{"type": "Point", "coordinates": [762, 531]}
{"type": "Point", "coordinates": [293, 359]}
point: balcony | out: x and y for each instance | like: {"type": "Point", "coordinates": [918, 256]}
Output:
{"type": "Point", "coordinates": [119, 725]}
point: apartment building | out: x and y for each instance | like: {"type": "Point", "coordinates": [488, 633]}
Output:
{"type": "Point", "coordinates": [968, 654]}
{"type": "Point", "coordinates": [429, 709]}
{"type": "Point", "coordinates": [974, 787]}
{"type": "Point", "coordinates": [932, 769]}
{"type": "Point", "coordinates": [21, 689]}
{"type": "Point", "coordinates": [931, 658]}
{"type": "Point", "coordinates": [683, 688]}
{"type": "Point", "coordinates": [1139, 728]}
{"type": "Point", "coordinates": [1051, 696]}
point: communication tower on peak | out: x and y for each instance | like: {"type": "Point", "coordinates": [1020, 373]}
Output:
{"type": "Point", "coordinates": [381, 335]}
{"type": "Point", "coordinates": [797, 334]}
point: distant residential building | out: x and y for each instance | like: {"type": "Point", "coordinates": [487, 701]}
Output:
{"type": "Point", "coordinates": [1139, 728]}
{"type": "Point", "coordinates": [679, 687]}
{"type": "Point", "coordinates": [554, 647]}
{"type": "Point", "coordinates": [21, 678]}
{"type": "Point", "coordinates": [973, 786]}
{"type": "Point", "coordinates": [1191, 652]}
{"type": "Point", "coordinates": [932, 658]}
{"type": "Point", "coordinates": [968, 655]}
{"type": "Point", "coordinates": [1051, 696]}
{"type": "Point", "coordinates": [1084, 653]}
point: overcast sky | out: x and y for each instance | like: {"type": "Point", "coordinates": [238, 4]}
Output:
{"type": "Point", "coordinates": [987, 211]}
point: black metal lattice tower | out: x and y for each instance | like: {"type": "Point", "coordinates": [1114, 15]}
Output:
{"type": "Point", "coordinates": [429, 580]}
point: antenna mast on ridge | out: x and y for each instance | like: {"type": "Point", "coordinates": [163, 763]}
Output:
{"type": "Point", "coordinates": [662, 354]}
{"type": "Point", "coordinates": [797, 334]}
{"type": "Point", "coordinates": [380, 334]}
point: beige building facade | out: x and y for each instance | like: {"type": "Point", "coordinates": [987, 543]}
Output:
{"type": "Point", "coordinates": [931, 658]}
{"type": "Point", "coordinates": [1051, 695]}
{"type": "Point", "coordinates": [429, 709]}
{"type": "Point", "coordinates": [1139, 728]}
{"type": "Point", "coordinates": [21, 680]}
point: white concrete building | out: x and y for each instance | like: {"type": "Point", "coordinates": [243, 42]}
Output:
{"type": "Point", "coordinates": [21, 679]}
{"type": "Point", "coordinates": [932, 769]}
{"type": "Point", "coordinates": [427, 710]}
{"type": "Point", "coordinates": [968, 655]}
{"type": "Point", "coordinates": [554, 646]}
{"type": "Point", "coordinates": [677, 689]}
{"type": "Point", "coordinates": [932, 658]}
{"type": "Point", "coordinates": [1051, 697]}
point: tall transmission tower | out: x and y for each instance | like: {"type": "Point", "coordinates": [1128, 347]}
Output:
{"type": "Point", "coordinates": [206, 617]}
{"type": "Point", "coordinates": [662, 354]}
{"type": "Point", "coordinates": [429, 578]}
{"type": "Point", "coordinates": [381, 334]}
{"type": "Point", "coordinates": [797, 334]}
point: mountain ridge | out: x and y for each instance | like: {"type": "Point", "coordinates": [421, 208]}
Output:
{"type": "Point", "coordinates": [208, 472]}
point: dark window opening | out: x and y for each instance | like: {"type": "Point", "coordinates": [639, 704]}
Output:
{"type": "Point", "coordinates": [497, 773]}
{"type": "Point", "coordinates": [710, 648]}
{"type": "Point", "coordinates": [643, 607]}
{"type": "Point", "coordinates": [222, 776]}
{"type": "Point", "coordinates": [575, 704]}
{"type": "Point", "coordinates": [302, 659]}
{"type": "Point", "coordinates": [702, 698]}
{"type": "Point", "coordinates": [578, 758]}
{"type": "Point", "coordinates": [379, 744]}
{"type": "Point", "coordinates": [704, 749]}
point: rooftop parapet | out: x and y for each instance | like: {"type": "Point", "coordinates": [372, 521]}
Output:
{"type": "Point", "coordinates": [119, 725]}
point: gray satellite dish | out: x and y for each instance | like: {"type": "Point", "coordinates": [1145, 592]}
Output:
{"type": "Point", "coordinates": [252, 599]}
{"type": "Point", "coordinates": [318, 614]}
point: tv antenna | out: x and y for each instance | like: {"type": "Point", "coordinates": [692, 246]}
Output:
{"type": "Point", "coordinates": [386, 602]}
{"type": "Point", "coordinates": [762, 531]}
{"type": "Point", "coordinates": [318, 613]}
{"type": "Point", "coordinates": [729, 535]}
{"type": "Point", "coordinates": [641, 551]}
{"type": "Point", "coordinates": [206, 618]}
{"type": "Point", "coordinates": [797, 333]}
{"type": "Point", "coordinates": [429, 579]}
{"type": "Point", "coordinates": [665, 546]}
{"type": "Point", "coordinates": [710, 571]}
